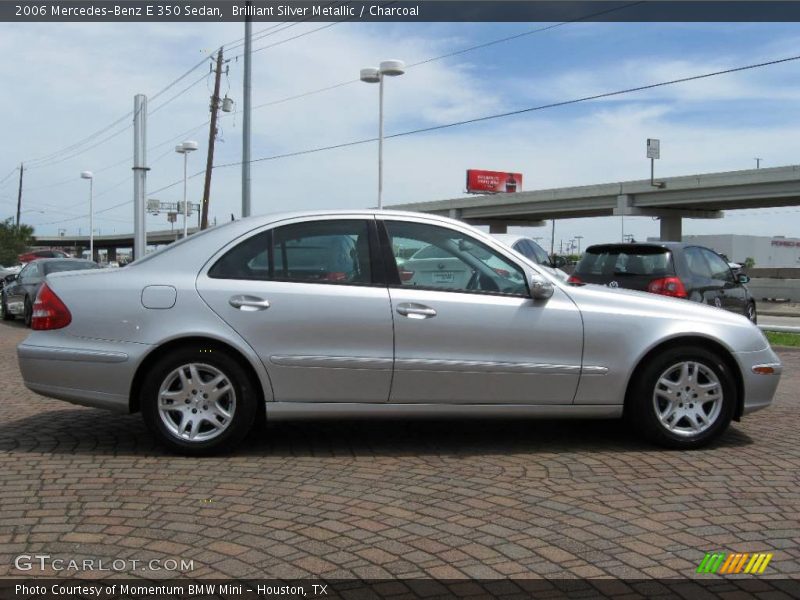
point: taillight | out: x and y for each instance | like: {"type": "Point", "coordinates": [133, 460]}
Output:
{"type": "Point", "coordinates": [668, 286]}
{"type": "Point", "coordinates": [574, 279]}
{"type": "Point", "coordinates": [49, 312]}
{"type": "Point", "coordinates": [406, 275]}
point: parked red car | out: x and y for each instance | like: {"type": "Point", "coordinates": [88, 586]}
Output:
{"type": "Point", "coordinates": [34, 254]}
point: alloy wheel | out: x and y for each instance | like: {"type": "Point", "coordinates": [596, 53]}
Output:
{"type": "Point", "coordinates": [688, 398]}
{"type": "Point", "coordinates": [196, 402]}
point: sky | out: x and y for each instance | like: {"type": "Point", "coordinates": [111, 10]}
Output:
{"type": "Point", "coordinates": [65, 82]}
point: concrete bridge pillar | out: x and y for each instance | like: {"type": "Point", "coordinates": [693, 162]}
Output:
{"type": "Point", "coordinates": [671, 229]}
{"type": "Point", "coordinates": [112, 254]}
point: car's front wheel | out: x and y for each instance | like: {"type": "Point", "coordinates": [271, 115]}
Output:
{"type": "Point", "coordinates": [199, 402]}
{"type": "Point", "coordinates": [751, 312]}
{"type": "Point", "coordinates": [683, 398]}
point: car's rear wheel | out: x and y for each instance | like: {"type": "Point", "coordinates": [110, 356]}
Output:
{"type": "Point", "coordinates": [683, 398]}
{"type": "Point", "coordinates": [198, 402]}
{"type": "Point", "coordinates": [28, 314]}
{"type": "Point", "coordinates": [751, 313]}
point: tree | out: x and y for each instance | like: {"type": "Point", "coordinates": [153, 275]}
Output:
{"type": "Point", "coordinates": [749, 262]}
{"type": "Point", "coordinates": [13, 241]}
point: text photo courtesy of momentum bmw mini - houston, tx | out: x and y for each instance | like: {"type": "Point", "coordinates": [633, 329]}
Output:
{"type": "Point", "coordinates": [426, 300]}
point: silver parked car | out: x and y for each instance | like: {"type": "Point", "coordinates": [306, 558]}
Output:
{"type": "Point", "coordinates": [308, 315]}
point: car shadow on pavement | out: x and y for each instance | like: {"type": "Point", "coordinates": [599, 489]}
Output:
{"type": "Point", "coordinates": [93, 431]}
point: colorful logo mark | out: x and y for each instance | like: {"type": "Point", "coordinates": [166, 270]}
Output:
{"type": "Point", "coordinates": [727, 564]}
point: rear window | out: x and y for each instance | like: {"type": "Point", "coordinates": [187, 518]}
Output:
{"type": "Point", "coordinates": [626, 260]}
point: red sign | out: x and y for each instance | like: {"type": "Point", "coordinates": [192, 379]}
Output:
{"type": "Point", "coordinates": [493, 182]}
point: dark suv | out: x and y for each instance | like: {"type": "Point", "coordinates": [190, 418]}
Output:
{"type": "Point", "coordinates": [670, 269]}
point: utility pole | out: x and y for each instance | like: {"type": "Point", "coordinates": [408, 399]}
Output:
{"type": "Point", "coordinates": [19, 193]}
{"type": "Point", "coordinates": [212, 136]}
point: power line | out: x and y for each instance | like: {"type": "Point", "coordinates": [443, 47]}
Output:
{"type": "Point", "coordinates": [178, 95]}
{"type": "Point", "coordinates": [513, 112]}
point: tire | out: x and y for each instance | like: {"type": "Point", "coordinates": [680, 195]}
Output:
{"type": "Point", "coordinates": [751, 313]}
{"type": "Point", "coordinates": [28, 314]}
{"type": "Point", "coordinates": [195, 413]}
{"type": "Point", "coordinates": [656, 411]}
{"type": "Point", "coordinates": [7, 316]}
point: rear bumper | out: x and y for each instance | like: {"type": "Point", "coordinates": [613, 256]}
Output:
{"type": "Point", "coordinates": [759, 389]}
{"type": "Point", "coordinates": [88, 372]}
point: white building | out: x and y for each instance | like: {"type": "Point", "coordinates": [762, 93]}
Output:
{"type": "Point", "coordinates": [777, 251]}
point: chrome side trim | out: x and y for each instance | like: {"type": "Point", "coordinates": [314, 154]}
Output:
{"type": "Point", "coordinates": [425, 364]}
{"type": "Point", "coordinates": [590, 370]}
{"type": "Point", "coordinates": [351, 410]}
{"type": "Point", "coordinates": [70, 354]}
{"type": "Point", "coordinates": [333, 362]}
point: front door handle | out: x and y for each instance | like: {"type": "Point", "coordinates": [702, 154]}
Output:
{"type": "Point", "coordinates": [249, 303]}
{"type": "Point", "coordinates": [416, 311]}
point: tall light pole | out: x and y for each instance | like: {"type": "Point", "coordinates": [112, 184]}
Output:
{"type": "Point", "coordinates": [88, 175]}
{"type": "Point", "coordinates": [185, 148]}
{"type": "Point", "coordinates": [390, 68]}
{"type": "Point", "coordinates": [579, 238]}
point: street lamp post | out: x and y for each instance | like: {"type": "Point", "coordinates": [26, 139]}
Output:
{"type": "Point", "coordinates": [579, 238]}
{"type": "Point", "coordinates": [185, 148]}
{"type": "Point", "coordinates": [391, 68]}
{"type": "Point", "coordinates": [88, 175]}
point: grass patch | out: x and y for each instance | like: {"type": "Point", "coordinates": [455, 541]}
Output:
{"type": "Point", "coordinates": [783, 339]}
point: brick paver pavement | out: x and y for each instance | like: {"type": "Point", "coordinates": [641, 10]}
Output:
{"type": "Point", "coordinates": [446, 499]}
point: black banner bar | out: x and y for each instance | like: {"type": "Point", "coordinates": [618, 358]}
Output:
{"type": "Point", "coordinates": [402, 11]}
{"type": "Point", "coordinates": [397, 589]}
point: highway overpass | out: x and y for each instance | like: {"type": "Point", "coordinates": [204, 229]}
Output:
{"type": "Point", "coordinates": [703, 196]}
{"type": "Point", "coordinates": [111, 243]}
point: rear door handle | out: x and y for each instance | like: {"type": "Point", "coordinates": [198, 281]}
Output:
{"type": "Point", "coordinates": [249, 303]}
{"type": "Point", "coordinates": [416, 311]}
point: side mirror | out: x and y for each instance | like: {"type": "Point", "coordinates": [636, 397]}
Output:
{"type": "Point", "coordinates": [742, 278]}
{"type": "Point", "coordinates": [538, 287]}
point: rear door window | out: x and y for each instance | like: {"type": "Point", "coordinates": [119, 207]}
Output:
{"type": "Point", "coordinates": [328, 251]}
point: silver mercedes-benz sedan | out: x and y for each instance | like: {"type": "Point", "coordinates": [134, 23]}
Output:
{"type": "Point", "coordinates": [326, 314]}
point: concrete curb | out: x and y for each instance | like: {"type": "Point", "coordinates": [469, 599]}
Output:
{"type": "Point", "coordinates": [778, 313]}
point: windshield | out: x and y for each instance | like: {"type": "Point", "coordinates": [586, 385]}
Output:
{"type": "Point", "coordinates": [651, 261]}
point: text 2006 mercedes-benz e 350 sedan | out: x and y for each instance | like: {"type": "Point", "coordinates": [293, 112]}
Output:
{"type": "Point", "coordinates": [342, 314]}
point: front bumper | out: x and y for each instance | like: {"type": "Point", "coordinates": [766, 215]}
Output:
{"type": "Point", "coordinates": [759, 387]}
